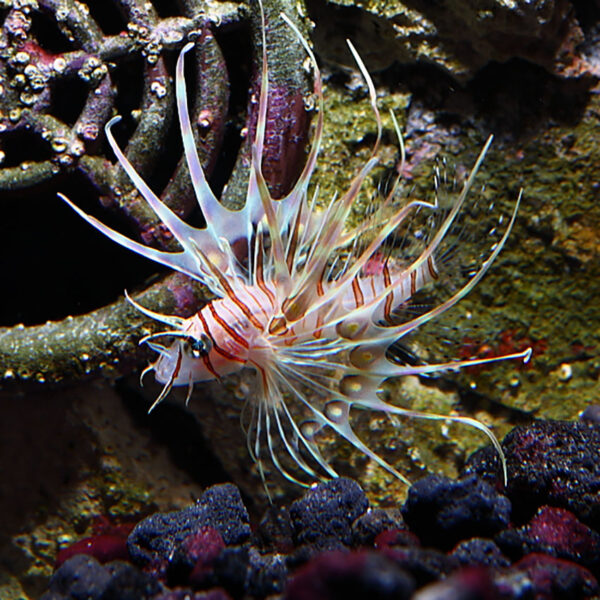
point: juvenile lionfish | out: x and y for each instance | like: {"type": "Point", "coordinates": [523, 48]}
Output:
{"type": "Point", "coordinates": [312, 312]}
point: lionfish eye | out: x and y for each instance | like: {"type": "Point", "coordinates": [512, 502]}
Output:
{"type": "Point", "coordinates": [200, 346]}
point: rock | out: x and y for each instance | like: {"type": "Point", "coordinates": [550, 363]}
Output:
{"type": "Point", "coordinates": [547, 578]}
{"type": "Point", "coordinates": [323, 517]}
{"type": "Point", "coordinates": [267, 574]}
{"type": "Point", "coordinates": [557, 532]}
{"type": "Point", "coordinates": [275, 530]}
{"type": "Point", "coordinates": [104, 548]}
{"type": "Point", "coordinates": [374, 522]}
{"type": "Point", "coordinates": [467, 584]}
{"type": "Point", "coordinates": [155, 539]}
{"type": "Point", "coordinates": [231, 568]}
{"type": "Point", "coordinates": [480, 552]}
{"type": "Point", "coordinates": [549, 462]}
{"type": "Point", "coordinates": [391, 538]}
{"type": "Point", "coordinates": [185, 594]}
{"type": "Point", "coordinates": [80, 576]}
{"type": "Point", "coordinates": [426, 565]}
{"type": "Point", "coordinates": [460, 36]}
{"type": "Point", "coordinates": [129, 583]}
{"type": "Point", "coordinates": [340, 575]}
{"type": "Point", "coordinates": [442, 511]}
{"type": "Point", "coordinates": [83, 577]}
{"type": "Point", "coordinates": [193, 560]}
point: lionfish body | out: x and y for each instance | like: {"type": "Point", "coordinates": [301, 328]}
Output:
{"type": "Point", "coordinates": [311, 314]}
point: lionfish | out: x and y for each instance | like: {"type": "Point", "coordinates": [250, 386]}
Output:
{"type": "Point", "coordinates": [312, 312]}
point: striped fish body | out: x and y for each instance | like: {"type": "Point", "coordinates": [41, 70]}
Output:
{"type": "Point", "coordinates": [234, 331]}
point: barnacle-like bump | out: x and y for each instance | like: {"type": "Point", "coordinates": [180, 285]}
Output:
{"type": "Point", "coordinates": [351, 329]}
{"type": "Point", "coordinates": [337, 411]}
{"type": "Point", "coordinates": [309, 429]}
{"type": "Point", "coordinates": [353, 385]}
{"type": "Point", "coordinates": [362, 356]}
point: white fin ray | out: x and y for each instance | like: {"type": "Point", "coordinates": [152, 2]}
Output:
{"type": "Point", "coordinates": [220, 221]}
{"type": "Point", "coordinates": [425, 255]}
{"type": "Point", "coordinates": [396, 332]}
{"type": "Point", "coordinates": [179, 228]}
{"type": "Point", "coordinates": [289, 204]}
{"type": "Point", "coordinates": [378, 404]}
{"type": "Point", "coordinates": [179, 261]}
{"type": "Point", "coordinates": [343, 428]}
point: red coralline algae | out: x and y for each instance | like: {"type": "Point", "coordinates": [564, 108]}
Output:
{"type": "Point", "coordinates": [556, 532]}
{"type": "Point", "coordinates": [560, 528]}
{"type": "Point", "coordinates": [556, 578]}
{"type": "Point", "coordinates": [108, 542]}
{"type": "Point", "coordinates": [509, 341]}
{"type": "Point", "coordinates": [203, 548]}
{"type": "Point", "coordinates": [104, 548]}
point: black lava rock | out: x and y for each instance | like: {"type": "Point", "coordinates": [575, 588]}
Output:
{"type": "Point", "coordinates": [557, 532]}
{"type": "Point", "coordinates": [480, 552]}
{"type": "Point", "coordinates": [266, 574]}
{"type": "Point", "coordinates": [129, 583]}
{"type": "Point", "coordinates": [323, 517]}
{"type": "Point", "coordinates": [343, 575]}
{"type": "Point", "coordinates": [374, 522]}
{"type": "Point", "coordinates": [155, 539]}
{"type": "Point", "coordinates": [544, 577]}
{"type": "Point", "coordinates": [549, 462]}
{"type": "Point", "coordinates": [424, 564]}
{"type": "Point", "coordinates": [442, 511]}
{"type": "Point", "coordinates": [82, 577]}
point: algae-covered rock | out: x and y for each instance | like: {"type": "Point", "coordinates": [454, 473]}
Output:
{"type": "Point", "coordinates": [460, 36]}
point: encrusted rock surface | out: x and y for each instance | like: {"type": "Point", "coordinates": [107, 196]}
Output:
{"type": "Point", "coordinates": [549, 462]}
{"type": "Point", "coordinates": [459, 36]}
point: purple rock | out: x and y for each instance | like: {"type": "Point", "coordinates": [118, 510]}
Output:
{"type": "Point", "coordinates": [83, 577]}
{"type": "Point", "coordinates": [374, 522]}
{"type": "Point", "coordinates": [543, 577]}
{"type": "Point", "coordinates": [549, 462]}
{"type": "Point", "coordinates": [442, 511]}
{"type": "Point", "coordinates": [337, 575]}
{"type": "Point", "coordinates": [129, 583]}
{"type": "Point", "coordinates": [155, 539]}
{"type": "Point", "coordinates": [323, 517]}
{"type": "Point", "coordinates": [194, 559]}
{"type": "Point", "coordinates": [266, 574]}
{"type": "Point", "coordinates": [480, 552]}
{"type": "Point", "coordinates": [391, 538]}
{"type": "Point", "coordinates": [80, 576]}
{"type": "Point", "coordinates": [557, 532]}
{"type": "Point", "coordinates": [591, 414]}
